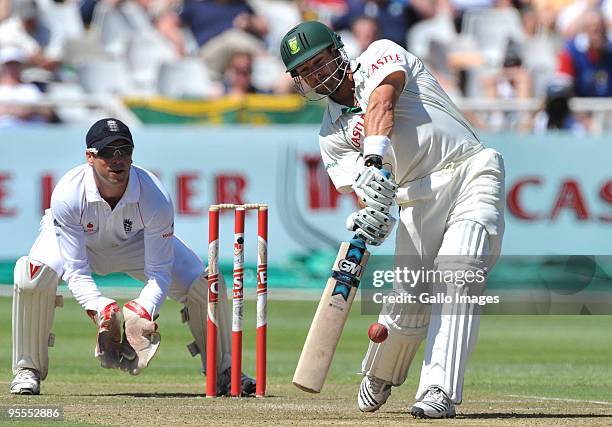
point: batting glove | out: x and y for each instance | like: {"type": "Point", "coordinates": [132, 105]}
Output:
{"type": "Point", "coordinates": [374, 189]}
{"type": "Point", "coordinates": [108, 319]}
{"type": "Point", "coordinates": [140, 338]}
{"type": "Point", "coordinates": [371, 225]}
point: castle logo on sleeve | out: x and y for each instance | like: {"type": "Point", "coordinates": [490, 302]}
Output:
{"type": "Point", "coordinates": [356, 131]}
{"type": "Point", "coordinates": [393, 58]}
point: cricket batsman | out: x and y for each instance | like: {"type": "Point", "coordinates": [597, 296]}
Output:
{"type": "Point", "coordinates": [386, 110]}
{"type": "Point", "coordinates": [106, 216]}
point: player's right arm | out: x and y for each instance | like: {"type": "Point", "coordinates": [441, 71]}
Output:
{"type": "Point", "coordinates": [104, 312]}
{"type": "Point", "coordinates": [341, 161]}
{"type": "Point", "coordinates": [66, 213]}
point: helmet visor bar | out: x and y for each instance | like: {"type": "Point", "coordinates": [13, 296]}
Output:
{"type": "Point", "coordinates": [325, 80]}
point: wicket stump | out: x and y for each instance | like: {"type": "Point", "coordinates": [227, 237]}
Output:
{"type": "Point", "coordinates": [237, 298]}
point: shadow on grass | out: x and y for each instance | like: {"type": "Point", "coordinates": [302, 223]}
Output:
{"type": "Point", "coordinates": [514, 415]}
{"type": "Point", "coordinates": [166, 395]}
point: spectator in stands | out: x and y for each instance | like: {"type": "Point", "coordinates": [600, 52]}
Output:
{"type": "Point", "coordinates": [547, 13]}
{"type": "Point", "coordinates": [459, 7]}
{"type": "Point", "coordinates": [18, 99]}
{"type": "Point", "coordinates": [570, 20]}
{"type": "Point", "coordinates": [164, 16]}
{"type": "Point", "coordinates": [220, 27]}
{"type": "Point", "coordinates": [513, 81]}
{"type": "Point", "coordinates": [556, 113]}
{"type": "Point", "coordinates": [25, 30]}
{"type": "Point", "coordinates": [364, 31]}
{"type": "Point", "coordinates": [5, 9]}
{"type": "Point", "coordinates": [394, 17]}
{"type": "Point", "coordinates": [238, 74]}
{"type": "Point", "coordinates": [587, 59]}
{"type": "Point", "coordinates": [322, 10]}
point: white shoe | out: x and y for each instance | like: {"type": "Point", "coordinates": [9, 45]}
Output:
{"type": "Point", "coordinates": [435, 404]}
{"type": "Point", "coordinates": [27, 381]}
{"type": "Point", "coordinates": [373, 393]}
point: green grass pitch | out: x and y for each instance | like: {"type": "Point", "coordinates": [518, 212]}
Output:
{"type": "Point", "coordinates": [529, 370]}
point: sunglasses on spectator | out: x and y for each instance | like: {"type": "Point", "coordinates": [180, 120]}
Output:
{"type": "Point", "coordinates": [110, 151]}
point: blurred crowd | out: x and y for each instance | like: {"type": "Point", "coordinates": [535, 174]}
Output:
{"type": "Point", "coordinates": [505, 50]}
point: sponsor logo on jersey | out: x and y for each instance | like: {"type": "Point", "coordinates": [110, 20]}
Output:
{"type": "Point", "coordinates": [331, 165]}
{"type": "Point", "coordinates": [127, 225]}
{"type": "Point", "coordinates": [90, 227]}
{"type": "Point", "coordinates": [169, 233]}
{"type": "Point", "coordinates": [394, 58]}
{"type": "Point", "coordinates": [357, 133]}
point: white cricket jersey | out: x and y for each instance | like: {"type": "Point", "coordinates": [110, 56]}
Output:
{"type": "Point", "coordinates": [84, 222]}
{"type": "Point", "coordinates": [429, 130]}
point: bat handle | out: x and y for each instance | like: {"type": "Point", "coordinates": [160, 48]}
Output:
{"type": "Point", "coordinates": [359, 242]}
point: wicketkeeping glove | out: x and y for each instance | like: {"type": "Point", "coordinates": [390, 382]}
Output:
{"type": "Point", "coordinates": [371, 225]}
{"type": "Point", "coordinates": [374, 189]}
{"type": "Point", "coordinates": [108, 319]}
{"type": "Point", "coordinates": [140, 338]}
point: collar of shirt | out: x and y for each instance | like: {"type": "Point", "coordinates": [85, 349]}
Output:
{"type": "Point", "coordinates": [335, 109]}
{"type": "Point", "coordinates": [131, 195]}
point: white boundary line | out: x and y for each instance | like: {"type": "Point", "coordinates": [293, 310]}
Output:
{"type": "Point", "coordinates": [558, 399]}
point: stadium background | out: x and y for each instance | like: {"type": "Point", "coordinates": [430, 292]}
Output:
{"type": "Point", "coordinates": [229, 128]}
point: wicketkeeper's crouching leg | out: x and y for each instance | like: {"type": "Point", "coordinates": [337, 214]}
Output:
{"type": "Point", "coordinates": [34, 302]}
{"type": "Point", "coordinates": [194, 314]}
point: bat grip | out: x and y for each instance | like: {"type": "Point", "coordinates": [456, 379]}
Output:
{"type": "Point", "coordinates": [359, 242]}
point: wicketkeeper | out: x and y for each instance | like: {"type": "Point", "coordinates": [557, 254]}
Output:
{"type": "Point", "coordinates": [385, 108]}
{"type": "Point", "coordinates": [111, 216]}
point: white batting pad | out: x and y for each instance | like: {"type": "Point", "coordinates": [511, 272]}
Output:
{"type": "Point", "coordinates": [195, 315]}
{"type": "Point", "coordinates": [453, 329]}
{"type": "Point", "coordinates": [34, 303]}
{"type": "Point", "coordinates": [391, 359]}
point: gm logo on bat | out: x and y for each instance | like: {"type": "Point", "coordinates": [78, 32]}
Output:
{"type": "Point", "coordinates": [349, 267]}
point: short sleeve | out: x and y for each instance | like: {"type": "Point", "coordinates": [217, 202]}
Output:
{"type": "Point", "coordinates": [383, 58]}
{"type": "Point", "coordinates": [341, 162]}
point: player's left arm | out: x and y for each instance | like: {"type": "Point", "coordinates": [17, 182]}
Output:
{"type": "Point", "coordinates": [141, 339]}
{"type": "Point", "coordinates": [159, 256]}
{"type": "Point", "coordinates": [372, 188]}
{"type": "Point", "coordinates": [375, 191]}
{"type": "Point", "coordinates": [380, 116]}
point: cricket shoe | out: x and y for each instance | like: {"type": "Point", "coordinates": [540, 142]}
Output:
{"type": "Point", "coordinates": [224, 381]}
{"type": "Point", "coordinates": [373, 393]}
{"type": "Point", "coordinates": [435, 404]}
{"type": "Point", "coordinates": [27, 381]}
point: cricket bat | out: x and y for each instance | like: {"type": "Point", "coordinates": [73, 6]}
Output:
{"type": "Point", "coordinates": [330, 317]}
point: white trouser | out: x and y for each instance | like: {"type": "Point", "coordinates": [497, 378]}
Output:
{"type": "Point", "coordinates": [457, 211]}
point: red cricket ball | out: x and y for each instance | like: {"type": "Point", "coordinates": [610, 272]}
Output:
{"type": "Point", "coordinates": [377, 332]}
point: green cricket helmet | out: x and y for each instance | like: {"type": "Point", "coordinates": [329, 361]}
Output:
{"type": "Point", "coordinates": [303, 42]}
